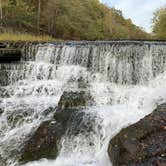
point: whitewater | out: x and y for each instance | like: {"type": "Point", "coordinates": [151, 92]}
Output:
{"type": "Point", "coordinates": [127, 82]}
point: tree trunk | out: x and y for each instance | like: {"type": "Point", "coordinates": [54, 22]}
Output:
{"type": "Point", "coordinates": [38, 16]}
{"type": "Point", "coordinates": [1, 12]}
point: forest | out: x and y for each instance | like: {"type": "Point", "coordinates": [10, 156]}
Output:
{"type": "Point", "coordinates": [159, 26]}
{"type": "Point", "coordinates": [74, 20]}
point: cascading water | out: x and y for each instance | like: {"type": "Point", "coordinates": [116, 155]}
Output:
{"type": "Point", "coordinates": [126, 80]}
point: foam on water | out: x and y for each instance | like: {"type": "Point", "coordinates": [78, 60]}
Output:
{"type": "Point", "coordinates": [131, 103]}
{"type": "Point", "coordinates": [126, 82]}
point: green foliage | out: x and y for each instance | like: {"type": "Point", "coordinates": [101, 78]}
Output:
{"type": "Point", "coordinates": [18, 14]}
{"type": "Point", "coordinates": [70, 19]}
{"type": "Point", "coordinates": [159, 21]}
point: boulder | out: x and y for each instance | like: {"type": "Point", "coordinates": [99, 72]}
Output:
{"type": "Point", "coordinates": [155, 161]}
{"type": "Point", "coordinates": [63, 115]}
{"type": "Point", "coordinates": [45, 142]}
{"type": "Point", "coordinates": [4, 78]}
{"type": "Point", "coordinates": [48, 111]}
{"type": "Point", "coordinates": [141, 144]}
{"type": "Point", "coordinates": [72, 100]}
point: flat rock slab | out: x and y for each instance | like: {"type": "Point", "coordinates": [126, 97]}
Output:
{"type": "Point", "coordinates": [8, 55]}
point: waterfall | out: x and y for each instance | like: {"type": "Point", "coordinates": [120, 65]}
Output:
{"type": "Point", "coordinates": [126, 80]}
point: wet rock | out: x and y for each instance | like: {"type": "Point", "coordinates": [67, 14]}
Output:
{"type": "Point", "coordinates": [4, 93]}
{"type": "Point", "coordinates": [48, 111]}
{"type": "Point", "coordinates": [70, 108]}
{"type": "Point", "coordinates": [19, 116]}
{"type": "Point", "coordinates": [75, 100]}
{"type": "Point", "coordinates": [75, 119]}
{"type": "Point", "coordinates": [2, 45]}
{"type": "Point", "coordinates": [8, 55]}
{"type": "Point", "coordinates": [155, 161]}
{"type": "Point", "coordinates": [4, 78]}
{"type": "Point", "coordinates": [44, 142]}
{"type": "Point", "coordinates": [2, 162]}
{"type": "Point", "coordinates": [142, 144]}
{"type": "Point", "coordinates": [63, 115]}
{"type": "Point", "coordinates": [78, 123]}
{"type": "Point", "coordinates": [14, 120]}
{"type": "Point", "coordinates": [82, 83]}
{"type": "Point", "coordinates": [84, 123]}
{"type": "Point", "coordinates": [1, 111]}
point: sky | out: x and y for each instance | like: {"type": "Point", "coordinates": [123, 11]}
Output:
{"type": "Point", "coordinates": [140, 11]}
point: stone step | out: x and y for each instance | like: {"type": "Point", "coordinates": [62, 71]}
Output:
{"type": "Point", "coordinates": [8, 55]}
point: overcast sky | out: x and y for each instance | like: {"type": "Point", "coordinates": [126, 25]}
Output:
{"type": "Point", "coordinates": [140, 11]}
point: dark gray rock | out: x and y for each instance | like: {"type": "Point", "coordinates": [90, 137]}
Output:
{"type": "Point", "coordinates": [2, 162]}
{"type": "Point", "coordinates": [2, 45]}
{"type": "Point", "coordinates": [72, 100]}
{"type": "Point", "coordinates": [44, 143]}
{"type": "Point", "coordinates": [1, 111]}
{"type": "Point", "coordinates": [48, 111]}
{"type": "Point", "coordinates": [155, 161]}
{"type": "Point", "coordinates": [4, 93]}
{"type": "Point", "coordinates": [143, 143]}
{"type": "Point", "coordinates": [8, 55]}
{"type": "Point", "coordinates": [3, 78]}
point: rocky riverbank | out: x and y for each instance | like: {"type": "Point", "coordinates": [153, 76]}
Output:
{"type": "Point", "coordinates": [142, 144]}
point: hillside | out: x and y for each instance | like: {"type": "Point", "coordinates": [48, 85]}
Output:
{"type": "Point", "coordinates": [74, 19]}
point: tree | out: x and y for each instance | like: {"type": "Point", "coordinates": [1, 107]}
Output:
{"type": "Point", "coordinates": [159, 23]}
{"type": "Point", "coordinates": [69, 19]}
{"type": "Point", "coordinates": [2, 4]}
{"type": "Point", "coordinates": [38, 15]}
{"type": "Point", "coordinates": [1, 12]}
{"type": "Point", "coordinates": [18, 14]}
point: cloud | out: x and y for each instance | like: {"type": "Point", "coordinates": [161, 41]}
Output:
{"type": "Point", "coordinates": [140, 11]}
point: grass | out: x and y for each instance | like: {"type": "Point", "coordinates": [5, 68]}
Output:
{"type": "Point", "coordinates": [25, 37]}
